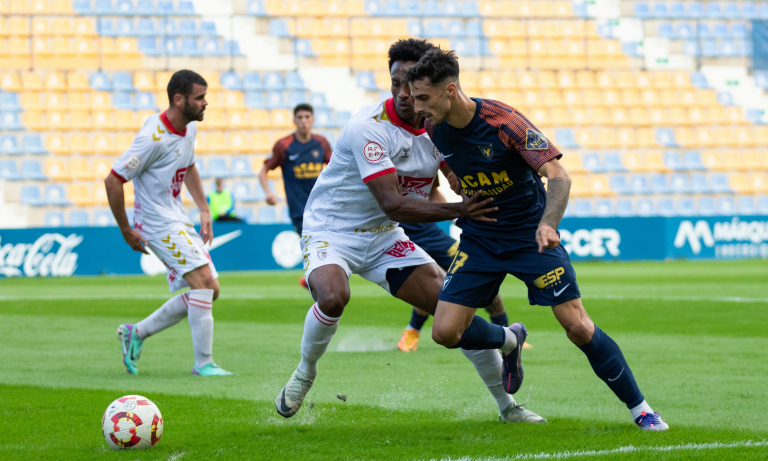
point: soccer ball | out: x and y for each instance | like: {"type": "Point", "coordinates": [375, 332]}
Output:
{"type": "Point", "coordinates": [132, 422]}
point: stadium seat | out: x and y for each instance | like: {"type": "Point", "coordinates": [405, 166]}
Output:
{"type": "Point", "coordinates": [273, 81]}
{"type": "Point", "coordinates": [666, 207]}
{"type": "Point", "coordinates": [9, 145]}
{"type": "Point", "coordinates": [679, 184]}
{"type": "Point", "coordinates": [217, 168]}
{"type": "Point", "coordinates": [639, 184]}
{"type": "Point", "coordinates": [103, 218]}
{"type": "Point", "coordinates": [54, 219]}
{"type": "Point", "coordinates": [624, 208]}
{"type": "Point", "coordinates": [267, 215]}
{"type": "Point", "coordinates": [719, 183]}
{"type": "Point", "coordinates": [726, 206]}
{"type": "Point", "coordinates": [700, 184]}
{"type": "Point", "coordinates": [9, 170]}
{"type": "Point", "coordinates": [55, 195]}
{"type": "Point", "coordinates": [619, 184]}
{"type": "Point", "coordinates": [241, 168]}
{"type": "Point", "coordinates": [762, 204]}
{"type": "Point", "coordinates": [746, 205]}
{"type": "Point", "coordinates": [242, 192]}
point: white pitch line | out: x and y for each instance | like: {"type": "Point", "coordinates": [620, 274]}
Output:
{"type": "Point", "coordinates": [620, 450]}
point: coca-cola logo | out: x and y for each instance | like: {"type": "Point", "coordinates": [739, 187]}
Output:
{"type": "Point", "coordinates": [41, 258]}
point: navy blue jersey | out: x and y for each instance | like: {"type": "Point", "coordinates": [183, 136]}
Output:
{"type": "Point", "coordinates": [301, 164]}
{"type": "Point", "coordinates": [500, 152]}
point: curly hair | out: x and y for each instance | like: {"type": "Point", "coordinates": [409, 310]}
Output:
{"type": "Point", "coordinates": [409, 49]}
{"type": "Point", "coordinates": [436, 66]}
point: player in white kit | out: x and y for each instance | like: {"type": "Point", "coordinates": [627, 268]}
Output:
{"type": "Point", "coordinates": [381, 172]}
{"type": "Point", "coordinates": [161, 159]}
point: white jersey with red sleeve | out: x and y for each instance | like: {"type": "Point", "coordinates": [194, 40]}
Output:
{"type": "Point", "coordinates": [374, 143]}
{"type": "Point", "coordinates": [157, 162]}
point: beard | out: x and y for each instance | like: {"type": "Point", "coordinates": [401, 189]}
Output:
{"type": "Point", "coordinates": [190, 114]}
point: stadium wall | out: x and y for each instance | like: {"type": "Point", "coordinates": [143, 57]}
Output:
{"type": "Point", "coordinates": [62, 252]}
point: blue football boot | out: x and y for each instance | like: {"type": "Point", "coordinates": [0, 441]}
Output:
{"type": "Point", "coordinates": [651, 422]}
{"type": "Point", "coordinates": [512, 373]}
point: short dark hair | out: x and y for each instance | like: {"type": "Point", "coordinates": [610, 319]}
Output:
{"type": "Point", "coordinates": [303, 106]}
{"type": "Point", "coordinates": [408, 49]}
{"type": "Point", "coordinates": [436, 66]}
{"type": "Point", "coordinates": [182, 83]}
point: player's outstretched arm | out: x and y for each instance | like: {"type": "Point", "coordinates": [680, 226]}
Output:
{"type": "Point", "coordinates": [558, 189]}
{"type": "Point", "coordinates": [195, 187]}
{"type": "Point", "coordinates": [403, 209]}
{"type": "Point", "coordinates": [116, 198]}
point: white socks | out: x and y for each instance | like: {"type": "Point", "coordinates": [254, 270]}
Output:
{"type": "Point", "coordinates": [638, 410]}
{"type": "Point", "coordinates": [318, 331]}
{"type": "Point", "coordinates": [510, 341]}
{"type": "Point", "coordinates": [488, 364]}
{"type": "Point", "coordinates": [168, 315]}
{"type": "Point", "coordinates": [201, 323]}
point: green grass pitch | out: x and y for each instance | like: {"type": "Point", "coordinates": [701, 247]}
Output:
{"type": "Point", "coordinates": [695, 335]}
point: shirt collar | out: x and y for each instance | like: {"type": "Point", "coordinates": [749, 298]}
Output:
{"type": "Point", "coordinates": [389, 106]}
{"type": "Point", "coordinates": [169, 125]}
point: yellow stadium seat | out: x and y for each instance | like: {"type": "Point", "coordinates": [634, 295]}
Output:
{"type": "Point", "coordinates": [527, 80]}
{"type": "Point", "coordinates": [274, 7]}
{"type": "Point", "coordinates": [572, 98]}
{"type": "Point", "coordinates": [58, 120]}
{"type": "Point", "coordinates": [261, 142]}
{"type": "Point", "coordinates": [81, 170]}
{"type": "Point", "coordinates": [81, 144]}
{"type": "Point", "coordinates": [715, 115]}
{"type": "Point", "coordinates": [604, 80]}
{"type": "Point", "coordinates": [494, 28]}
{"type": "Point", "coordinates": [334, 8]}
{"type": "Point", "coordinates": [31, 101]}
{"type": "Point", "coordinates": [585, 79]}
{"type": "Point", "coordinates": [606, 138]}
{"type": "Point", "coordinates": [31, 81]}
{"type": "Point", "coordinates": [104, 120]}
{"type": "Point", "coordinates": [162, 79]}
{"type": "Point", "coordinates": [531, 98]}
{"type": "Point", "coordinates": [678, 116]}
{"type": "Point", "coordinates": [633, 161]}
{"type": "Point", "coordinates": [572, 163]}
{"type": "Point", "coordinates": [535, 29]}
{"type": "Point", "coordinates": [743, 136]}
{"type": "Point", "coordinates": [733, 115]}
{"type": "Point", "coordinates": [499, 47]}
{"type": "Point", "coordinates": [572, 29]}
{"type": "Point", "coordinates": [33, 120]}
{"type": "Point", "coordinates": [10, 81]}
{"type": "Point", "coordinates": [704, 137]}
{"type": "Point", "coordinates": [759, 182]}
{"type": "Point", "coordinates": [561, 117]}
{"type": "Point", "coordinates": [238, 119]}
{"type": "Point", "coordinates": [55, 101]}
{"type": "Point", "coordinates": [77, 81]}
{"type": "Point", "coordinates": [601, 116]}
{"type": "Point", "coordinates": [358, 28]}
{"type": "Point", "coordinates": [127, 46]}
{"type": "Point", "coordinates": [713, 161]}
{"type": "Point", "coordinates": [233, 99]}
{"type": "Point", "coordinates": [661, 80]}
{"type": "Point", "coordinates": [124, 141]}
{"type": "Point", "coordinates": [686, 137]}
{"type": "Point", "coordinates": [508, 80]}
{"type": "Point", "coordinates": [259, 118]}
{"type": "Point", "coordinates": [580, 186]}
{"type": "Point", "coordinates": [57, 144]}
{"type": "Point", "coordinates": [63, 27]}
{"type": "Point", "coordinates": [566, 79]}
{"type": "Point", "coordinates": [543, 8]}
{"type": "Point", "coordinates": [294, 8]}
{"type": "Point", "coordinates": [610, 98]}
{"type": "Point", "coordinates": [217, 142]}
{"type": "Point", "coordinates": [101, 168]}
{"type": "Point", "coordinates": [751, 160]}
{"type": "Point", "coordinates": [469, 82]}
{"type": "Point", "coordinates": [127, 120]}
{"type": "Point", "coordinates": [77, 100]}
{"type": "Point", "coordinates": [215, 119]}
{"type": "Point", "coordinates": [80, 195]}
{"type": "Point", "coordinates": [598, 184]}
{"type": "Point", "coordinates": [487, 80]}
{"type": "Point", "coordinates": [732, 158]}
{"type": "Point", "coordinates": [630, 97]}
{"type": "Point", "coordinates": [639, 116]}
{"type": "Point", "coordinates": [585, 138]}
{"type": "Point", "coordinates": [658, 116]}
{"type": "Point", "coordinates": [553, 98]}
{"type": "Point", "coordinates": [649, 97]}
{"type": "Point", "coordinates": [642, 80]}
{"type": "Point", "coordinates": [741, 184]}
{"type": "Point", "coordinates": [4, 27]}
{"type": "Point", "coordinates": [239, 143]}
{"type": "Point", "coordinates": [38, 6]}
{"type": "Point", "coordinates": [85, 27]}
{"type": "Point", "coordinates": [338, 28]}
{"type": "Point", "coordinates": [144, 81]}
{"type": "Point", "coordinates": [761, 135]}
{"type": "Point", "coordinates": [81, 120]}
{"type": "Point", "coordinates": [57, 170]}
{"type": "Point", "coordinates": [681, 79]}
{"type": "Point", "coordinates": [646, 138]}
{"type": "Point", "coordinates": [281, 118]}
{"type": "Point", "coordinates": [201, 143]}
{"type": "Point", "coordinates": [41, 26]}
{"type": "Point", "coordinates": [579, 116]}
{"type": "Point", "coordinates": [55, 81]}
{"type": "Point", "coordinates": [18, 26]}
{"type": "Point", "coordinates": [101, 100]}
{"type": "Point", "coordinates": [212, 78]}
{"type": "Point", "coordinates": [654, 162]}
{"type": "Point", "coordinates": [706, 97]}
{"type": "Point", "coordinates": [489, 7]}
{"type": "Point", "coordinates": [356, 8]}
{"type": "Point", "coordinates": [626, 138]}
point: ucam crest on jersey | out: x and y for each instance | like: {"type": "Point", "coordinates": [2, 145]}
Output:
{"type": "Point", "coordinates": [373, 152]}
{"type": "Point", "coordinates": [535, 140]}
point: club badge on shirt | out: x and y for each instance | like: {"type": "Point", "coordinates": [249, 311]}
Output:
{"type": "Point", "coordinates": [373, 152]}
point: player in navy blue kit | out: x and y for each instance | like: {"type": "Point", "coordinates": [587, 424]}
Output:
{"type": "Point", "coordinates": [301, 156]}
{"type": "Point", "coordinates": [494, 149]}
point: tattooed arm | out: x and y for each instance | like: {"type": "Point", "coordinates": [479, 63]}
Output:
{"type": "Point", "coordinates": [558, 188]}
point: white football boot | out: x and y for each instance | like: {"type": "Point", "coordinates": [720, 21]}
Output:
{"type": "Point", "coordinates": [515, 413]}
{"type": "Point", "coordinates": [289, 399]}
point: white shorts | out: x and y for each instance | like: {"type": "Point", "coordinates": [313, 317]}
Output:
{"type": "Point", "coordinates": [368, 257]}
{"type": "Point", "coordinates": [181, 250]}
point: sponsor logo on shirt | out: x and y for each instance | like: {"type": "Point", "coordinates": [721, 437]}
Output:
{"type": "Point", "coordinates": [373, 152]}
{"type": "Point", "coordinates": [133, 162]}
{"type": "Point", "coordinates": [178, 180]}
{"type": "Point", "coordinates": [401, 249]}
{"type": "Point", "coordinates": [416, 186]}
{"type": "Point", "coordinates": [376, 230]}
{"type": "Point", "coordinates": [535, 140]}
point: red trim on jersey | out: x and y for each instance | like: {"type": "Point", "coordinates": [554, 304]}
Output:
{"type": "Point", "coordinates": [379, 174]}
{"type": "Point", "coordinates": [122, 179]}
{"type": "Point", "coordinates": [169, 125]}
{"type": "Point", "coordinates": [443, 163]}
{"type": "Point", "coordinates": [389, 106]}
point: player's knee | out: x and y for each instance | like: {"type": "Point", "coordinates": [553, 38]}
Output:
{"type": "Point", "coordinates": [332, 304]}
{"type": "Point", "coordinates": [445, 337]}
{"type": "Point", "coordinates": [579, 332]}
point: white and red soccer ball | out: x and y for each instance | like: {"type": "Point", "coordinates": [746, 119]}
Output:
{"type": "Point", "coordinates": [132, 422]}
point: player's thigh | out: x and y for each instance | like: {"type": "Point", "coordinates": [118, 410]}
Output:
{"type": "Point", "coordinates": [329, 260]}
{"type": "Point", "coordinates": [450, 321]}
{"type": "Point", "coordinates": [422, 287]}
{"type": "Point", "coordinates": [549, 276]}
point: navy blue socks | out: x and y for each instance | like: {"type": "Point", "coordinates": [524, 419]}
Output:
{"type": "Point", "coordinates": [481, 335]}
{"type": "Point", "coordinates": [501, 319]}
{"type": "Point", "coordinates": [609, 365]}
{"type": "Point", "coordinates": [417, 320]}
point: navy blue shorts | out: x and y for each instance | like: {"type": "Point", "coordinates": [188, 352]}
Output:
{"type": "Point", "coordinates": [477, 272]}
{"type": "Point", "coordinates": [439, 245]}
{"type": "Point", "coordinates": [298, 223]}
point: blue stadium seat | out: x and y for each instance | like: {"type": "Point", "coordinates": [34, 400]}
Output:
{"type": "Point", "coordinates": [684, 30]}
{"type": "Point", "coordinates": [55, 195]}
{"type": "Point", "coordinates": [11, 121]}
{"type": "Point", "coordinates": [366, 80]}
{"type": "Point", "coordinates": [604, 208]}
{"type": "Point", "coordinates": [762, 11]}
{"type": "Point", "coordinates": [279, 28]}
{"type": "Point", "coordinates": [665, 207]}
{"type": "Point", "coordinates": [168, 27]}
{"type": "Point", "coordinates": [145, 7]}
{"type": "Point", "coordinates": [170, 47]}
{"type": "Point", "coordinates": [188, 27]}
{"type": "Point", "coordinates": [455, 29]}
{"type": "Point", "coordinates": [660, 10]}
{"type": "Point", "coordinates": [293, 81]}
{"type": "Point", "coordinates": [748, 10]}
{"type": "Point", "coordinates": [686, 206]}
{"type": "Point", "coordinates": [9, 170]}
{"type": "Point", "coordinates": [232, 48]}
{"type": "Point", "coordinates": [691, 48]}
{"type": "Point", "coordinates": [276, 100]}
{"type": "Point", "coordinates": [217, 168]}
{"type": "Point", "coordinates": [699, 80]}
{"type": "Point", "coordinates": [582, 208]}
{"type": "Point", "coordinates": [255, 100]}
{"type": "Point", "coordinates": [125, 28]}
{"type": "Point", "coordinates": [32, 170]}
{"type": "Point", "coordinates": [645, 207]}
{"type": "Point", "coordinates": [324, 118]}
{"type": "Point", "coordinates": [707, 206]}
{"type": "Point", "coordinates": [145, 101]}
{"type": "Point", "coordinates": [700, 184]}
{"type": "Point", "coordinates": [374, 7]}
{"type": "Point", "coordinates": [731, 10]}
{"type": "Point", "coordinates": [695, 10]}
{"type": "Point", "coordinates": [451, 8]}
{"type": "Point", "coordinates": [9, 145]}
{"type": "Point", "coordinates": [624, 207]}
{"type": "Point", "coordinates": [746, 205]}
{"type": "Point", "coordinates": [474, 28]}
{"type": "Point", "coordinates": [258, 193]}
{"type": "Point", "coordinates": [242, 192]}
{"type": "Point", "coordinates": [82, 6]}
{"type": "Point", "coordinates": [659, 184]}
{"type": "Point", "coordinates": [147, 28]}
{"type": "Point", "coordinates": [318, 100]}
{"type": "Point", "coordinates": [201, 169]}
{"type": "Point", "coordinates": [208, 28]}
{"type": "Point", "coordinates": [103, 218]}
{"type": "Point", "coordinates": [33, 144]}
{"type": "Point", "coordinates": [284, 216]}
{"type": "Point", "coordinates": [762, 204]}
{"type": "Point", "coordinates": [124, 7]}
{"type": "Point", "coordinates": [639, 184]}
{"type": "Point", "coordinates": [415, 28]}
{"type": "Point", "coordinates": [755, 116]}
{"type": "Point", "coordinates": [612, 162]}
{"type": "Point", "coordinates": [54, 219]}
{"type": "Point", "coordinates": [719, 183]}
{"type": "Point", "coordinates": [186, 8]}
{"type": "Point", "coordinates": [99, 81]}
{"type": "Point", "coordinates": [761, 79]}
{"type": "Point", "coordinates": [267, 215]}
{"type": "Point", "coordinates": [725, 98]}
{"type": "Point", "coordinates": [213, 47]}
{"type": "Point", "coordinates": [252, 81]}
{"type": "Point", "coordinates": [123, 100]}
{"type": "Point", "coordinates": [739, 30]}
{"type": "Point", "coordinates": [256, 8]}
{"type": "Point", "coordinates": [246, 214]}
{"type": "Point", "coordinates": [231, 81]}
{"type": "Point", "coordinates": [303, 47]}
{"type": "Point", "coordinates": [726, 206]}
{"type": "Point", "coordinates": [412, 8]}
{"type": "Point", "coordinates": [679, 184]}
{"type": "Point", "coordinates": [677, 10]}
{"type": "Point", "coordinates": [470, 8]}
{"type": "Point", "coordinates": [30, 195]}
{"type": "Point", "coordinates": [189, 47]}
{"type": "Point", "coordinates": [633, 49]}
{"type": "Point", "coordinates": [434, 29]}
{"type": "Point", "coordinates": [693, 162]}
{"type": "Point", "coordinates": [273, 81]}
{"type": "Point", "coordinates": [666, 137]}
{"type": "Point", "coordinates": [104, 7]}
{"type": "Point", "coordinates": [673, 161]}
{"type": "Point", "coordinates": [720, 30]}
{"type": "Point", "coordinates": [618, 184]}
{"type": "Point", "coordinates": [296, 97]}
{"type": "Point", "coordinates": [432, 8]}
{"type": "Point", "coordinates": [9, 102]}
{"type": "Point", "coordinates": [165, 7]}
{"type": "Point", "coordinates": [728, 48]}
{"type": "Point", "coordinates": [666, 30]}
{"type": "Point", "coordinates": [342, 117]}
{"type": "Point", "coordinates": [392, 8]}
{"type": "Point", "coordinates": [565, 138]}
{"type": "Point", "coordinates": [713, 10]}
{"type": "Point", "coordinates": [242, 167]}
{"type": "Point", "coordinates": [642, 10]}
{"type": "Point", "coordinates": [710, 49]}
{"type": "Point", "coordinates": [122, 81]}
{"type": "Point", "coordinates": [592, 163]}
